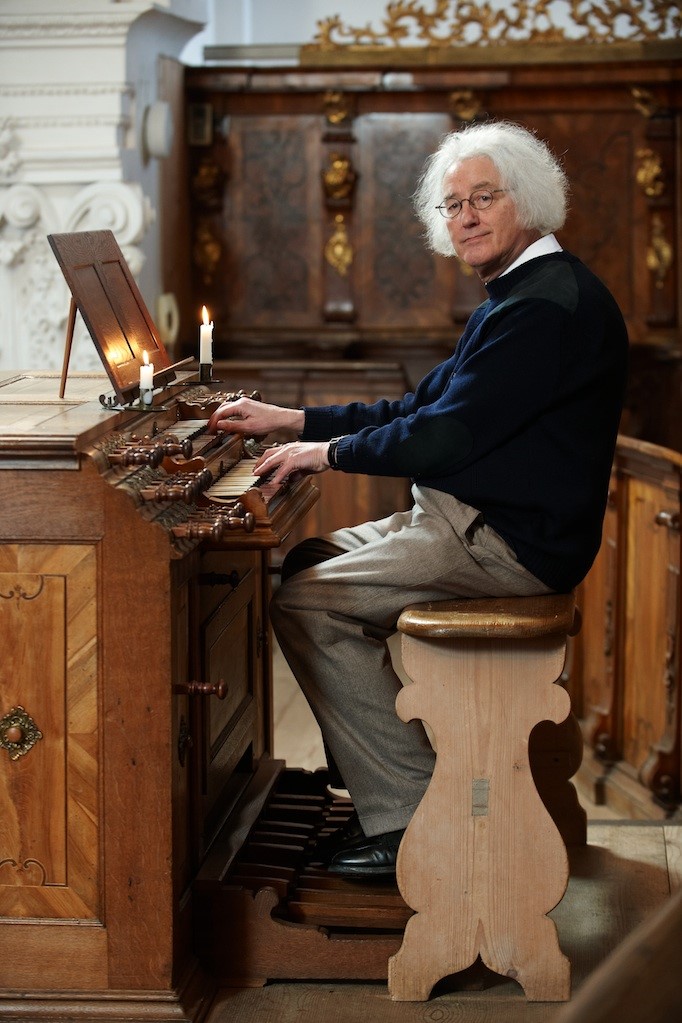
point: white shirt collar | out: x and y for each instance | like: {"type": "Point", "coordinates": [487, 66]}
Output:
{"type": "Point", "coordinates": [542, 247]}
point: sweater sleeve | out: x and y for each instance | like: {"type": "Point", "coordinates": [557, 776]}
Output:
{"type": "Point", "coordinates": [322, 422]}
{"type": "Point", "coordinates": [502, 377]}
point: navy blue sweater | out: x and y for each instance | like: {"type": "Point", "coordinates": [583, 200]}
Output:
{"type": "Point", "coordinates": [520, 422]}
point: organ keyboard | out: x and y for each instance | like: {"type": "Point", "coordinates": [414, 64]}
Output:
{"type": "Point", "coordinates": [200, 486]}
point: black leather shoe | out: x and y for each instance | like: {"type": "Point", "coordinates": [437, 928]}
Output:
{"type": "Point", "coordinates": [370, 857]}
{"type": "Point", "coordinates": [328, 846]}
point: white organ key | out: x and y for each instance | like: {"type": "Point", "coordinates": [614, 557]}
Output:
{"type": "Point", "coordinates": [235, 481]}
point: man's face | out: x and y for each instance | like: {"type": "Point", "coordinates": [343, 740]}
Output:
{"type": "Point", "coordinates": [489, 240]}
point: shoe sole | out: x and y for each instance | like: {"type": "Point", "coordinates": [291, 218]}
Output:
{"type": "Point", "coordinates": [362, 871]}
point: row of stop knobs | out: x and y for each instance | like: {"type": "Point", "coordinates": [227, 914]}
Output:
{"type": "Point", "coordinates": [149, 451]}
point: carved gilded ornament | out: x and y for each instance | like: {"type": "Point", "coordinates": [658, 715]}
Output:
{"type": "Point", "coordinates": [645, 101]}
{"type": "Point", "coordinates": [338, 251]}
{"type": "Point", "coordinates": [207, 250]}
{"type": "Point", "coordinates": [649, 174]}
{"type": "Point", "coordinates": [336, 107]}
{"type": "Point", "coordinates": [207, 185]}
{"type": "Point", "coordinates": [448, 23]}
{"type": "Point", "coordinates": [659, 256]}
{"type": "Point", "coordinates": [339, 178]}
{"type": "Point", "coordinates": [464, 104]}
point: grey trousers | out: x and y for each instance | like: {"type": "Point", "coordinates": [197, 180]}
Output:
{"type": "Point", "coordinates": [332, 620]}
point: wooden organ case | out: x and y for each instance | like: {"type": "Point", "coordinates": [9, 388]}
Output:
{"type": "Point", "coordinates": [135, 682]}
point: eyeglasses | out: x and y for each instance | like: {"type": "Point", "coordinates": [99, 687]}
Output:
{"type": "Point", "coordinates": [480, 200]}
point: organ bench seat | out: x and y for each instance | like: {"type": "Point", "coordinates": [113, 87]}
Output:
{"type": "Point", "coordinates": [482, 861]}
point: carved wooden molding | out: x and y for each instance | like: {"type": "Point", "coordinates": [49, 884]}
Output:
{"type": "Point", "coordinates": [459, 23]}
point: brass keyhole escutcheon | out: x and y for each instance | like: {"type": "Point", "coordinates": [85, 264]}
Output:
{"type": "Point", "coordinates": [18, 733]}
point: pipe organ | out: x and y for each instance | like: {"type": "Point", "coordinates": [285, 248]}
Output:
{"type": "Point", "coordinates": [135, 697]}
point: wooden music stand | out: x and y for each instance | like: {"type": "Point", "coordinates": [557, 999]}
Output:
{"type": "Point", "coordinates": [104, 291]}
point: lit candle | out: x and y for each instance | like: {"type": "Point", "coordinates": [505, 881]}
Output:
{"type": "Point", "coordinates": [146, 380]}
{"type": "Point", "coordinates": [205, 339]}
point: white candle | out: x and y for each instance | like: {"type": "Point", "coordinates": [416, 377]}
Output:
{"type": "Point", "coordinates": [205, 340]}
{"type": "Point", "coordinates": [146, 380]}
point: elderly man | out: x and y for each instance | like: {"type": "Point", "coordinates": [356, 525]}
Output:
{"type": "Point", "coordinates": [508, 444]}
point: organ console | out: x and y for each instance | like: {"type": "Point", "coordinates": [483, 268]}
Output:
{"type": "Point", "coordinates": [151, 847]}
{"type": "Point", "coordinates": [135, 684]}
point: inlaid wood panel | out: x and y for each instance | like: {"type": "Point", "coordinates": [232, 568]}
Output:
{"type": "Point", "coordinates": [49, 796]}
{"type": "Point", "coordinates": [270, 233]}
{"type": "Point", "coordinates": [398, 280]}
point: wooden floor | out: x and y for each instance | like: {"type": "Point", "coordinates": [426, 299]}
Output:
{"type": "Point", "coordinates": [627, 871]}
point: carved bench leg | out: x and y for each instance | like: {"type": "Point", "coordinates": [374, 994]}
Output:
{"type": "Point", "coordinates": [482, 861]}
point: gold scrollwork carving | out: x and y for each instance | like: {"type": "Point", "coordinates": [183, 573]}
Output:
{"type": "Point", "coordinates": [659, 256]}
{"type": "Point", "coordinates": [649, 174]}
{"type": "Point", "coordinates": [464, 104]}
{"type": "Point", "coordinates": [337, 107]}
{"type": "Point", "coordinates": [338, 251]}
{"type": "Point", "coordinates": [461, 23]}
{"type": "Point", "coordinates": [206, 251]}
{"type": "Point", "coordinates": [18, 733]}
{"type": "Point", "coordinates": [339, 178]}
{"type": "Point", "coordinates": [207, 185]}
{"type": "Point", "coordinates": [645, 104]}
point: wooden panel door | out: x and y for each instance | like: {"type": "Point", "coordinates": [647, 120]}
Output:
{"type": "Point", "coordinates": [50, 844]}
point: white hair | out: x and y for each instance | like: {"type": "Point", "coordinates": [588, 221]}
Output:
{"type": "Point", "coordinates": [526, 166]}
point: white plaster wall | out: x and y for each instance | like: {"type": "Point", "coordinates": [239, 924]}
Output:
{"type": "Point", "coordinates": [76, 77]}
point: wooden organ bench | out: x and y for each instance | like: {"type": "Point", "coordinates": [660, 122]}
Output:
{"type": "Point", "coordinates": [483, 859]}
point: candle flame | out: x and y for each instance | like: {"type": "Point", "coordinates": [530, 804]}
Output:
{"type": "Point", "coordinates": [204, 315]}
{"type": "Point", "coordinates": [146, 358]}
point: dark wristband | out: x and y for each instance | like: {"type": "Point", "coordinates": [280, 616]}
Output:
{"type": "Point", "coordinates": [331, 452]}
